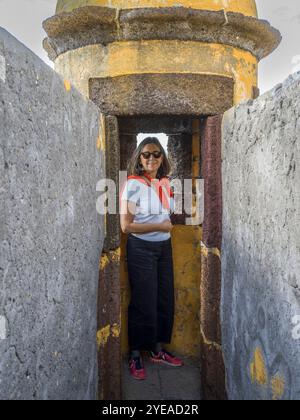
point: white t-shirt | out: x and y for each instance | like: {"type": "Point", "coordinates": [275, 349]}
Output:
{"type": "Point", "coordinates": [149, 208]}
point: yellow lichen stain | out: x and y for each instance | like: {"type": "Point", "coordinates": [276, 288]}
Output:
{"type": "Point", "coordinates": [206, 251]}
{"type": "Point", "coordinates": [258, 368]}
{"type": "Point", "coordinates": [67, 85]}
{"type": "Point", "coordinates": [116, 330]}
{"type": "Point", "coordinates": [103, 336]}
{"type": "Point", "coordinates": [99, 143]}
{"type": "Point", "coordinates": [116, 255]}
{"type": "Point", "coordinates": [208, 342]}
{"type": "Point", "coordinates": [101, 140]}
{"type": "Point", "coordinates": [104, 261]}
{"type": "Point", "coordinates": [106, 332]}
{"type": "Point", "coordinates": [110, 257]}
{"type": "Point", "coordinates": [277, 385]}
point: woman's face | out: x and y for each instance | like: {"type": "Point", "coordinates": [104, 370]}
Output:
{"type": "Point", "coordinates": [152, 164]}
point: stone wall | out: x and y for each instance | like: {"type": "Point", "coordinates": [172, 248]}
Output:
{"type": "Point", "coordinates": [51, 236]}
{"type": "Point", "coordinates": [261, 245]}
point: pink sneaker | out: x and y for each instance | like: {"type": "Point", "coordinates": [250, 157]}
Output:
{"type": "Point", "coordinates": [137, 370]}
{"type": "Point", "coordinates": [166, 358]}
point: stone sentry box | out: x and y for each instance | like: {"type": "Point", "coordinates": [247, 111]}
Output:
{"type": "Point", "coordinates": [192, 61]}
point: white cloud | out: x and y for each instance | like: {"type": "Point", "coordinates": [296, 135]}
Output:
{"type": "Point", "coordinates": [296, 63]}
{"type": "Point", "coordinates": [23, 19]}
{"type": "Point", "coordinates": [163, 138]}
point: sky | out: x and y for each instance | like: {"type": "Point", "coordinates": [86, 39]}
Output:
{"type": "Point", "coordinates": [23, 19]}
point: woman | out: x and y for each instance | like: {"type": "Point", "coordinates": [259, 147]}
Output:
{"type": "Point", "coordinates": [146, 204]}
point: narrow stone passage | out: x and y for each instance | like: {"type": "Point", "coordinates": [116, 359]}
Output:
{"type": "Point", "coordinates": [163, 382]}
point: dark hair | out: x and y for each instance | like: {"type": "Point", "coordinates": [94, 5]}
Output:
{"type": "Point", "coordinates": [135, 166]}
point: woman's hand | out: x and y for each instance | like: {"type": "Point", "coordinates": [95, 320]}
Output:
{"type": "Point", "coordinates": [128, 226]}
{"type": "Point", "coordinates": [166, 226]}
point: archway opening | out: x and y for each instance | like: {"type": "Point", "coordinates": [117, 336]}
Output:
{"type": "Point", "coordinates": [177, 137]}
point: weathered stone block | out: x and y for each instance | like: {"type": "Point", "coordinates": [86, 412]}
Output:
{"type": "Point", "coordinates": [152, 94]}
{"type": "Point", "coordinates": [109, 327]}
{"type": "Point", "coordinates": [51, 236]}
{"type": "Point", "coordinates": [210, 292]}
{"type": "Point", "coordinates": [211, 172]}
{"type": "Point", "coordinates": [261, 245]}
{"type": "Point", "coordinates": [212, 373]}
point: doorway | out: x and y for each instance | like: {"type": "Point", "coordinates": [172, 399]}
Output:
{"type": "Point", "coordinates": [176, 135]}
{"type": "Point", "coordinates": [194, 148]}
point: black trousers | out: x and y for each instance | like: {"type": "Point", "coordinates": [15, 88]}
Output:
{"type": "Point", "coordinates": [151, 277]}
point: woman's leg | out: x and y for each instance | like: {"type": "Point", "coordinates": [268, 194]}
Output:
{"type": "Point", "coordinates": [166, 306]}
{"type": "Point", "coordinates": [142, 311]}
{"type": "Point", "coordinates": [166, 299]}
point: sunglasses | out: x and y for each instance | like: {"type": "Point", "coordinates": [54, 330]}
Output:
{"type": "Point", "coordinates": [147, 155]}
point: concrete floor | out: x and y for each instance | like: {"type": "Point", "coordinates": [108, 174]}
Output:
{"type": "Point", "coordinates": [163, 382]}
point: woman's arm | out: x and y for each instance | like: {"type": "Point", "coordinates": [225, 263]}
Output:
{"type": "Point", "coordinates": [127, 216]}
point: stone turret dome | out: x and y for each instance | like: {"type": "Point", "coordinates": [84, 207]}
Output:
{"type": "Point", "coordinates": [78, 23]}
{"type": "Point", "coordinates": [142, 57]}
{"type": "Point", "coordinates": [246, 7]}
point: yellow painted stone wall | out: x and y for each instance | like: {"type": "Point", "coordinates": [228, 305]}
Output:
{"type": "Point", "coordinates": [247, 7]}
{"type": "Point", "coordinates": [186, 243]}
{"type": "Point", "coordinates": [140, 57]}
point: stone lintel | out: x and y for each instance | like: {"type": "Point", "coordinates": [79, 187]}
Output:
{"type": "Point", "coordinates": [163, 94]}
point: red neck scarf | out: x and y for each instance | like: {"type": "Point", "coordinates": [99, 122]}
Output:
{"type": "Point", "coordinates": [162, 187]}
